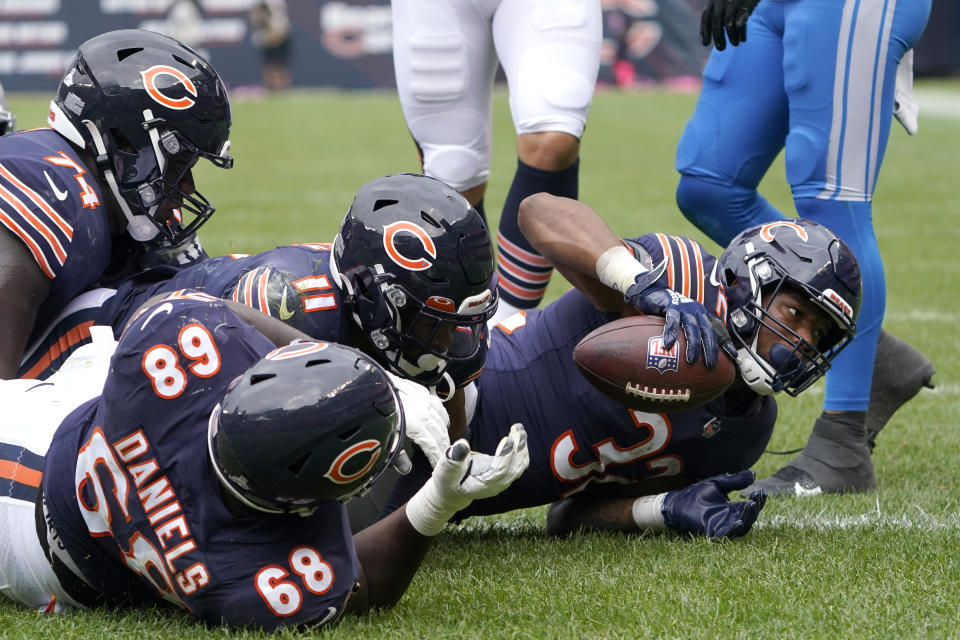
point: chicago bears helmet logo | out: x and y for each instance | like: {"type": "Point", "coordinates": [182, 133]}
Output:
{"type": "Point", "coordinates": [337, 472]}
{"type": "Point", "coordinates": [150, 77]}
{"type": "Point", "coordinates": [767, 230]}
{"type": "Point", "coordinates": [660, 358]}
{"type": "Point", "coordinates": [296, 349]}
{"type": "Point", "coordinates": [390, 233]}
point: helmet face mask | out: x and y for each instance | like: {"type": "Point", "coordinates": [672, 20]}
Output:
{"type": "Point", "coordinates": [797, 258]}
{"type": "Point", "coordinates": [310, 422]}
{"type": "Point", "coordinates": [147, 108]}
{"type": "Point", "coordinates": [415, 265]}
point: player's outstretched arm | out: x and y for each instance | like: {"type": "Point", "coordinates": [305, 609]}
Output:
{"type": "Point", "coordinates": [390, 551]}
{"type": "Point", "coordinates": [23, 288]}
{"type": "Point", "coordinates": [574, 237]}
{"type": "Point", "coordinates": [698, 509]}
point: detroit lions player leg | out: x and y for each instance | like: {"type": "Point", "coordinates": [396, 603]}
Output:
{"type": "Point", "coordinates": [815, 78]}
{"type": "Point", "coordinates": [445, 56]}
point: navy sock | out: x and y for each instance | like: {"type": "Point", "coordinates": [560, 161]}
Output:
{"type": "Point", "coordinates": [525, 274]}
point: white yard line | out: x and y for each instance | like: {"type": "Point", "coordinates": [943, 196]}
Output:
{"type": "Point", "coordinates": [919, 520]}
{"type": "Point", "coordinates": [938, 103]}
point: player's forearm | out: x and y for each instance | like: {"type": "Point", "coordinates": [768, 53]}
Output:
{"type": "Point", "coordinates": [572, 237]}
{"type": "Point", "coordinates": [571, 514]}
{"type": "Point", "coordinates": [390, 552]}
{"type": "Point", "coordinates": [567, 232]}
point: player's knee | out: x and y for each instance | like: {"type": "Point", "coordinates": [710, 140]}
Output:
{"type": "Point", "coordinates": [461, 166]}
{"type": "Point", "coordinates": [804, 153]}
{"type": "Point", "coordinates": [699, 198]}
{"type": "Point", "coordinates": [549, 151]}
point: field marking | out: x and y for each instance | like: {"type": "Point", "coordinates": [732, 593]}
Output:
{"type": "Point", "coordinates": [939, 103]}
{"type": "Point", "coordinates": [920, 521]}
{"type": "Point", "coordinates": [945, 317]}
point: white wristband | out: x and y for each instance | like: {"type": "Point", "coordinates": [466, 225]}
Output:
{"type": "Point", "coordinates": [618, 268]}
{"type": "Point", "coordinates": [647, 513]}
{"type": "Point", "coordinates": [425, 512]}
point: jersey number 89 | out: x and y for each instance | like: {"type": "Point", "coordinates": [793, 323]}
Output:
{"type": "Point", "coordinates": [162, 365]}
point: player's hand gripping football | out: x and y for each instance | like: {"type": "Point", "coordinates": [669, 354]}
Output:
{"type": "Point", "coordinates": [462, 476]}
{"type": "Point", "coordinates": [426, 419]}
{"type": "Point", "coordinates": [652, 298]}
{"type": "Point", "coordinates": [704, 508]}
{"type": "Point", "coordinates": [729, 15]}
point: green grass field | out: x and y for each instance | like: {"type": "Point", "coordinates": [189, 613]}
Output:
{"type": "Point", "coordinates": [882, 565]}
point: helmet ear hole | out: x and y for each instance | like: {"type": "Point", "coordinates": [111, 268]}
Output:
{"type": "Point", "coordinates": [123, 54]}
{"type": "Point", "coordinates": [260, 377]}
{"type": "Point", "coordinates": [297, 465]}
{"type": "Point", "coordinates": [349, 433]}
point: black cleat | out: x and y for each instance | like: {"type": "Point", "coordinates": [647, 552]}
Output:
{"type": "Point", "coordinates": [899, 372]}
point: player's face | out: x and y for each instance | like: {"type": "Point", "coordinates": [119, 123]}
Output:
{"type": "Point", "coordinates": [797, 313]}
{"type": "Point", "coordinates": [427, 331]}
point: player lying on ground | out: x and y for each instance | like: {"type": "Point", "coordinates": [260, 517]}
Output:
{"type": "Point", "coordinates": [210, 474]}
{"type": "Point", "coordinates": [409, 280]}
{"type": "Point", "coordinates": [792, 290]}
{"type": "Point", "coordinates": [102, 193]}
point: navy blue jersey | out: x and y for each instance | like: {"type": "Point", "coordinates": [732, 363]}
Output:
{"type": "Point", "coordinates": [578, 436]}
{"type": "Point", "coordinates": [52, 204]}
{"type": "Point", "coordinates": [130, 488]}
{"type": "Point", "coordinates": [293, 283]}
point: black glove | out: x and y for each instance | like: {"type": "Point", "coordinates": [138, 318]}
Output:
{"type": "Point", "coordinates": [704, 508]}
{"type": "Point", "coordinates": [731, 15]}
{"type": "Point", "coordinates": [650, 297]}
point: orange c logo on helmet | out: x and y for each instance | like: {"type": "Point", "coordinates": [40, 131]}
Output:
{"type": "Point", "coordinates": [150, 84]}
{"type": "Point", "coordinates": [389, 237]}
{"type": "Point", "coordinates": [335, 472]}
{"type": "Point", "coordinates": [766, 231]}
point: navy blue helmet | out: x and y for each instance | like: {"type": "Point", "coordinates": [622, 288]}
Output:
{"type": "Point", "coordinates": [809, 259]}
{"type": "Point", "coordinates": [147, 108]}
{"type": "Point", "coordinates": [309, 422]}
{"type": "Point", "coordinates": [415, 265]}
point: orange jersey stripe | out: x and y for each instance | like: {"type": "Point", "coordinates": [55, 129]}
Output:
{"type": "Point", "coordinates": [67, 340]}
{"type": "Point", "coordinates": [684, 266]}
{"type": "Point", "coordinates": [19, 473]}
{"type": "Point", "coordinates": [40, 202]}
{"type": "Point", "coordinates": [700, 274]}
{"type": "Point", "coordinates": [668, 254]}
{"type": "Point", "coordinates": [262, 292]}
{"type": "Point", "coordinates": [34, 248]}
{"type": "Point", "coordinates": [34, 221]}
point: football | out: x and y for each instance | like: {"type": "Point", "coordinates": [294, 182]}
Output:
{"type": "Point", "coordinates": [626, 361]}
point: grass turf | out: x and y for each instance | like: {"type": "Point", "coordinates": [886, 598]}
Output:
{"type": "Point", "coordinates": [883, 565]}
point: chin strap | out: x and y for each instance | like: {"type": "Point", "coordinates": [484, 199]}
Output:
{"type": "Point", "coordinates": [140, 229]}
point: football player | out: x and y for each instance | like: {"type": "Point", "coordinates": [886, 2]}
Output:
{"type": "Point", "coordinates": [209, 473]}
{"type": "Point", "coordinates": [788, 292]}
{"type": "Point", "coordinates": [409, 280]}
{"type": "Point", "coordinates": [817, 81]}
{"type": "Point", "coordinates": [107, 189]}
{"type": "Point", "coordinates": [446, 55]}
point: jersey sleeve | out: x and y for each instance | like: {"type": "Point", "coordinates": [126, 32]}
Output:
{"type": "Point", "coordinates": [691, 270]}
{"type": "Point", "coordinates": [45, 198]}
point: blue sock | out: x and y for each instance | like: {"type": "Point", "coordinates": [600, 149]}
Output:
{"type": "Point", "coordinates": [848, 380]}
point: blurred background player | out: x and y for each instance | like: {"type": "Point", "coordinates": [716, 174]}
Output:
{"type": "Point", "coordinates": [817, 80]}
{"type": "Point", "coordinates": [105, 192]}
{"type": "Point", "coordinates": [271, 33]}
{"type": "Point", "coordinates": [445, 56]}
{"type": "Point", "coordinates": [210, 475]}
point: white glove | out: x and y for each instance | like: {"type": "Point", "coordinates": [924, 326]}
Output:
{"type": "Point", "coordinates": [462, 476]}
{"type": "Point", "coordinates": [905, 107]}
{"type": "Point", "coordinates": [427, 420]}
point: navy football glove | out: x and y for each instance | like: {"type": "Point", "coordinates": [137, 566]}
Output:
{"type": "Point", "coordinates": [731, 15]}
{"type": "Point", "coordinates": [652, 298]}
{"type": "Point", "coordinates": [704, 508]}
